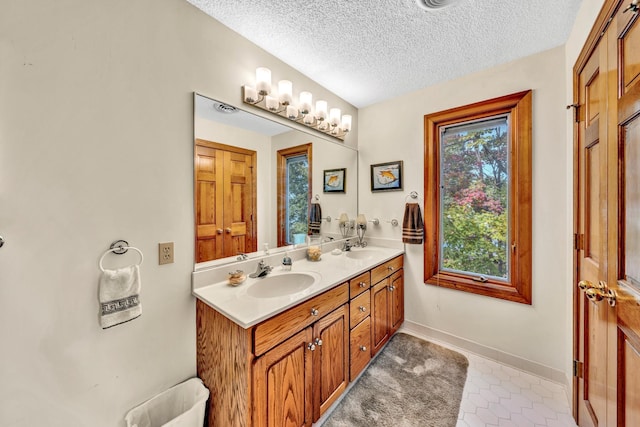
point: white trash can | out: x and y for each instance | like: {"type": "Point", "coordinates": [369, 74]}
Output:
{"type": "Point", "coordinates": [182, 405]}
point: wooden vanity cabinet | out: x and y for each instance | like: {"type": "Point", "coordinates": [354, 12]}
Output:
{"type": "Point", "coordinates": [297, 381]}
{"type": "Point", "coordinates": [289, 369]}
{"type": "Point", "coordinates": [387, 302]}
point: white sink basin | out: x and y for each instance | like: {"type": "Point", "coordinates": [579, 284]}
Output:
{"type": "Point", "coordinates": [280, 285]}
{"type": "Point", "coordinates": [361, 253]}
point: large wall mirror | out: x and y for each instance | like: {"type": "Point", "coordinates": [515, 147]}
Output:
{"type": "Point", "coordinates": [256, 179]}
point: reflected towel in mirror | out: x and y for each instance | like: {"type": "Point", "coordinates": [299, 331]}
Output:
{"type": "Point", "coordinates": [315, 218]}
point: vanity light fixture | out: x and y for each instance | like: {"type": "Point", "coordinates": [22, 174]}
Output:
{"type": "Point", "coordinates": [323, 119]}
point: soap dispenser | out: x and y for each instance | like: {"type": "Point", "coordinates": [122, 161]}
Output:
{"type": "Point", "coordinates": [286, 262]}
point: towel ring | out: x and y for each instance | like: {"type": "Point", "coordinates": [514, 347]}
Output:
{"type": "Point", "coordinates": [120, 248]}
{"type": "Point", "coordinates": [413, 195]}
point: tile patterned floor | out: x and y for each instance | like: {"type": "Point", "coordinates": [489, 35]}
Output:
{"type": "Point", "coordinates": [497, 395]}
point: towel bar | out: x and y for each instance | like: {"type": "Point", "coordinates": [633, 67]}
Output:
{"type": "Point", "coordinates": [120, 247]}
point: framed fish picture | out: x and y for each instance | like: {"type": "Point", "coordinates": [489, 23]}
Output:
{"type": "Point", "coordinates": [386, 176]}
{"type": "Point", "coordinates": [334, 180]}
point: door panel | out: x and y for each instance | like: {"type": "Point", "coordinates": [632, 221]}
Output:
{"type": "Point", "coordinates": [237, 212]}
{"type": "Point", "coordinates": [592, 260]}
{"type": "Point", "coordinates": [282, 380]}
{"type": "Point", "coordinates": [209, 203]}
{"type": "Point", "coordinates": [628, 247]}
{"type": "Point", "coordinates": [331, 336]}
{"type": "Point", "coordinates": [608, 213]}
{"type": "Point", "coordinates": [379, 315]}
{"type": "Point", "coordinates": [225, 200]}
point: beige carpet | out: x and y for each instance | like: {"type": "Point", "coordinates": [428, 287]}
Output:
{"type": "Point", "coordinates": [411, 383]}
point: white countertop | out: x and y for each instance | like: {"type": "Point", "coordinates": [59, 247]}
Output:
{"type": "Point", "coordinates": [211, 286]}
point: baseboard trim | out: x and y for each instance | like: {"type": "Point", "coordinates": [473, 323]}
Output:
{"type": "Point", "coordinates": [517, 362]}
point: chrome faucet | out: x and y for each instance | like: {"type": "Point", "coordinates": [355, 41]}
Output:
{"type": "Point", "coordinates": [242, 256]}
{"type": "Point", "coordinates": [347, 246]}
{"type": "Point", "coordinates": [262, 270]}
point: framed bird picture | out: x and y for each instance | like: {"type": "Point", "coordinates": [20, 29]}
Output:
{"type": "Point", "coordinates": [334, 180]}
{"type": "Point", "coordinates": [386, 176]}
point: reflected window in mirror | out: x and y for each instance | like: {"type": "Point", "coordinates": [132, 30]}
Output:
{"type": "Point", "coordinates": [294, 193]}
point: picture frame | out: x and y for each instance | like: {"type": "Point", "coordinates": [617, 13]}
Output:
{"type": "Point", "coordinates": [334, 180]}
{"type": "Point", "coordinates": [386, 176]}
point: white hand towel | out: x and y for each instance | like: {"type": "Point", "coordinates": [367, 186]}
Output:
{"type": "Point", "coordinates": [119, 296]}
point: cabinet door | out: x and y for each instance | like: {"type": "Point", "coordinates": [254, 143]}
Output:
{"type": "Point", "coordinates": [360, 347]}
{"type": "Point", "coordinates": [396, 301]}
{"type": "Point", "coordinates": [331, 359]}
{"type": "Point", "coordinates": [283, 387]}
{"type": "Point", "coordinates": [379, 315]}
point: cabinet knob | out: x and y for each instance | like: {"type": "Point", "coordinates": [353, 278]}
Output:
{"type": "Point", "coordinates": [363, 348]}
{"type": "Point", "coordinates": [219, 231]}
{"type": "Point", "coordinates": [362, 284]}
{"type": "Point", "coordinates": [318, 342]}
{"type": "Point", "coordinates": [390, 268]}
{"type": "Point", "coordinates": [228, 230]}
{"type": "Point", "coordinates": [392, 288]}
{"type": "Point", "coordinates": [311, 346]}
{"type": "Point", "coordinates": [314, 312]}
{"type": "Point", "coordinates": [362, 308]}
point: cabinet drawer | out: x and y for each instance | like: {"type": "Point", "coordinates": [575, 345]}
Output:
{"type": "Point", "coordinates": [280, 327]}
{"type": "Point", "coordinates": [386, 269]}
{"type": "Point", "coordinates": [359, 284]}
{"type": "Point", "coordinates": [360, 307]}
{"type": "Point", "coordinates": [360, 343]}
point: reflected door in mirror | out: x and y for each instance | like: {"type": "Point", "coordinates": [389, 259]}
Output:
{"type": "Point", "coordinates": [225, 201]}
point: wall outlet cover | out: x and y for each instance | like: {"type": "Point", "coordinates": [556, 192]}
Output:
{"type": "Point", "coordinates": [165, 253]}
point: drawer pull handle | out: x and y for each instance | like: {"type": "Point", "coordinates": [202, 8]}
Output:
{"type": "Point", "coordinates": [390, 268]}
{"type": "Point", "coordinates": [362, 284]}
{"type": "Point", "coordinates": [311, 346]}
{"type": "Point", "coordinates": [363, 348]}
{"type": "Point", "coordinates": [314, 312]}
{"type": "Point", "coordinates": [392, 288]}
{"type": "Point", "coordinates": [318, 342]}
{"type": "Point", "coordinates": [362, 308]}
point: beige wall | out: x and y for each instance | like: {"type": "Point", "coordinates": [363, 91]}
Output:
{"type": "Point", "coordinates": [393, 130]}
{"type": "Point", "coordinates": [96, 137]}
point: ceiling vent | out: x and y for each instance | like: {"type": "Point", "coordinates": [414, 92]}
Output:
{"type": "Point", "coordinates": [435, 4]}
{"type": "Point", "coordinates": [224, 108]}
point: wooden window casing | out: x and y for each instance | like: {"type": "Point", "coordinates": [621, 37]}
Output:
{"type": "Point", "coordinates": [282, 156]}
{"type": "Point", "coordinates": [517, 287]}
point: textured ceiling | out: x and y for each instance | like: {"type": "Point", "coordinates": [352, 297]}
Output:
{"type": "Point", "coordinates": [367, 51]}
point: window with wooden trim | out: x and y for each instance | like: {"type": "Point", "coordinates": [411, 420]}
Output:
{"type": "Point", "coordinates": [478, 198]}
{"type": "Point", "coordinates": [294, 193]}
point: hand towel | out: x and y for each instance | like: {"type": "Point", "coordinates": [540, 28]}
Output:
{"type": "Point", "coordinates": [119, 296]}
{"type": "Point", "coordinates": [315, 218]}
{"type": "Point", "coordinates": [412, 225]}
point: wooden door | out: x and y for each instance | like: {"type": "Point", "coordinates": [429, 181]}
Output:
{"type": "Point", "coordinates": [607, 201]}
{"type": "Point", "coordinates": [283, 384]}
{"type": "Point", "coordinates": [331, 359]}
{"type": "Point", "coordinates": [625, 279]}
{"type": "Point", "coordinates": [379, 315]}
{"type": "Point", "coordinates": [209, 203]}
{"type": "Point", "coordinates": [592, 262]}
{"type": "Point", "coordinates": [225, 199]}
{"type": "Point", "coordinates": [396, 301]}
{"type": "Point", "coordinates": [238, 202]}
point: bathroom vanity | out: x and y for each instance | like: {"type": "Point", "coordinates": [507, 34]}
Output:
{"type": "Point", "coordinates": [281, 350]}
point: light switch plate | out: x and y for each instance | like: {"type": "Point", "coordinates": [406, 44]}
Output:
{"type": "Point", "coordinates": [165, 253]}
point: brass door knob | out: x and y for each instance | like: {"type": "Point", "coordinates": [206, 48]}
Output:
{"type": "Point", "coordinates": [585, 284]}
{"type": "Point", "coordinates": [596, 295]}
